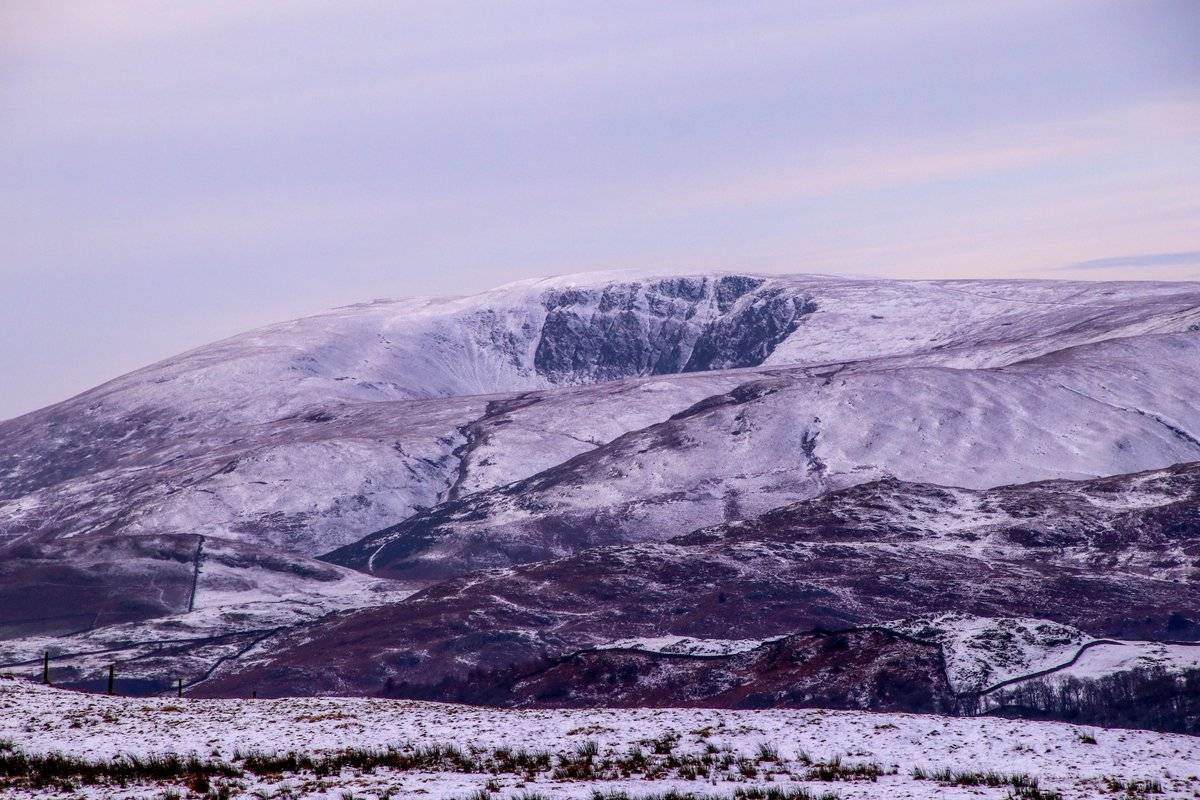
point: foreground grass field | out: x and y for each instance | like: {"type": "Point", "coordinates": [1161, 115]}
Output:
{"type": "Point", "coordinates": [55, 743]}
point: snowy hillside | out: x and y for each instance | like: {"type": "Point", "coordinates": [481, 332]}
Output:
{"type": "Point", "coordinates": [983, 653]}
{"type": "Point", "coordinates": [172, 606]}
{"type": "Point", "coordinates": [1115, 407]}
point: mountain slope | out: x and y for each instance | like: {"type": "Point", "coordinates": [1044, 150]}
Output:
{"type": "Point", "coordinates": [1111, 407]}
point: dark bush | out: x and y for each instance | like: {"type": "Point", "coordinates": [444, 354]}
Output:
{"type": "Point", "coordinates": [1153, 698]}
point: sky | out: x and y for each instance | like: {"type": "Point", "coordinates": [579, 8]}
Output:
{"type": "Point", "coordinates": [173, 173]}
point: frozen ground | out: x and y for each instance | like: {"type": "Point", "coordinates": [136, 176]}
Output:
{"type": "Point", "coordinates": [1062, 757]}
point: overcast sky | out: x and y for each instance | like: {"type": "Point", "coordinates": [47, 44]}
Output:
{"type": "Point", "coordinates": [174, 172]}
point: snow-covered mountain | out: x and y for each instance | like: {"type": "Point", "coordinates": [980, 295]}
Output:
{"type": "Point", "coordinates": [635, 427]}
{"type": "Point", "coordinates": [311, 434]}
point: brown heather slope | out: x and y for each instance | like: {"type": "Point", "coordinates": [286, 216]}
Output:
{"type": "Point", "coordinates": [870, 669]}
{"type": "Point", "coordinates": [1113, 556]}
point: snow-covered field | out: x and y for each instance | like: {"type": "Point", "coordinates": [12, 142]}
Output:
{"type": "Point", "coordinates": [1107, 658]}
{"type": "Point", "coordinates": [1063, 758]}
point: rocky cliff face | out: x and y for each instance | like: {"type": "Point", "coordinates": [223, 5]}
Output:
{"type": "Point", "coordinates": [664, 327]}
